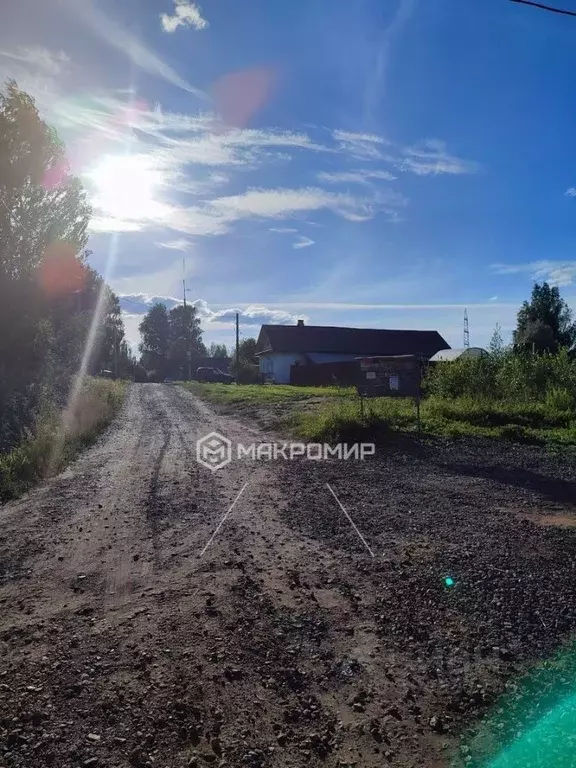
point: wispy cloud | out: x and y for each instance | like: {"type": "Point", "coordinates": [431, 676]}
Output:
{"type": "Point", "coordinates": [364, 176]}
{"type": "Point", "coordinates": [432, 158]}
{"type": "Point", "coordinates": [178, 163]}
{"type": "Point", "coordinates": [283, 230]}
{"type": "Point", "coordinates": [112, 33]}
{"type": "Point", "coordinates": [570, 192]}
{"type": "Point", "coordinates": [49, 62]}
{"type": "Point", "coordinates": [554, 272]}
{"type": "Point", "coordinates": [361, 146]}
{"type": "Point", "coordinates": [282, 202]}
{"type": "Point", "coordinates": [176, 245]}
{"type": "Point", "coordinates": [302, 242]}
{"type": "Point", "coordinates": [376, 82]}
{"type": "Point", "coordinates": [186, 14]}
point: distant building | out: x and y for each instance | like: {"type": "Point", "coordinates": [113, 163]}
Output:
{"type": "Point", "coordinates": [449, 355]}
{"type": "Point", "coordinates": [281, 346]}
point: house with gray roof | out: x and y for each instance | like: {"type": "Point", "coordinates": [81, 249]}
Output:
{"type": "Point", "coordinates": [281, 346]}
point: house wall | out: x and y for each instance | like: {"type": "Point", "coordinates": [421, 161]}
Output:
{"type": "Point", "coordinates": [276, 365]}
{"type": "Point", "coordinates": [330, 357]}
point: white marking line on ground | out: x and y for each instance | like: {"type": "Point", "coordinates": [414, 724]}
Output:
{"type": "Point", "coordinates": [221, 523]}
{"type": "Point", "coordinates": [352, 523]}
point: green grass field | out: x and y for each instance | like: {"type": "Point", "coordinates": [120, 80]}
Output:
{"type": "Point", "coordinates": [264, 393]}
{"type": "Point", "coordinates": [332, 413]}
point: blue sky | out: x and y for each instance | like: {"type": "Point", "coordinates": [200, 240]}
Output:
{"type": "Point", "coordinates": [379, 163]}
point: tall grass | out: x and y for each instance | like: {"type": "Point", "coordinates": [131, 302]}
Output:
{"type": "Point", "coordinates": [507, 376]}
{"type": "Point", "coordinates": [54, 442]}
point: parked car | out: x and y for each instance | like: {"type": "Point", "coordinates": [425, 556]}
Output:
{"type": "Point", "coordinates": [213, 375]}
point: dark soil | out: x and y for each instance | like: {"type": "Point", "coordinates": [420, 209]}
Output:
{"type": "Point", "coordinates": [286, 643]}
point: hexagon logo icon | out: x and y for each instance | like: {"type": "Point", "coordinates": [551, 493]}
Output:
{"type": "Point", "coordinates": [214, 451]}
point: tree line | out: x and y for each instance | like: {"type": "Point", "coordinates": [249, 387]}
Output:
{"type": "Point", "coordinates": [48, 292]}
{"type": "Point", "coordinates": [172, 346]}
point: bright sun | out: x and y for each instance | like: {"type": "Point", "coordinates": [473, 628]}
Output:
{"type": "Point", "coordinates": [124, 187]}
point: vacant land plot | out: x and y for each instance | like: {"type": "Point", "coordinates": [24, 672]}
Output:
{"type": "Point", "coordinates": [333, 413]}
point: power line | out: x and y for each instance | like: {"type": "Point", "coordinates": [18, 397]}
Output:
{"type": "Point", "coordinates": [545, 7]}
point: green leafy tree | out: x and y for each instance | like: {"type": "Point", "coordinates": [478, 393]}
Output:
{"type": "Point", "coordinates": [40, 203]}
{"type": "Point", "coordinates": [186, 346]}
{"type": "Point", "coordinates": [247, 351]}
{"type": "Point", "coordinates": [544, 324]}
{"type": "Point", "coordinates": [44, 217]}
{"type": "Point", "coordinates": [245, 368]}
{"type": "Point", "coordinates": [217, 350]}
{"type": "Point", "coordinates": [155, 344]}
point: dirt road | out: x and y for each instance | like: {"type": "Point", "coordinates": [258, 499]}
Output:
{"type": "Point", "coordinates": [145, 623]}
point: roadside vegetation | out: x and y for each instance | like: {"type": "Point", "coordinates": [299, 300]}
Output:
{"type": "Point", "coordinates": [58, 436]}
{"type": "Point", "coordinates": [50, 298]}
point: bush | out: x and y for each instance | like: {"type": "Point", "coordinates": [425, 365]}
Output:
{"type": "Point", "coordinates": [245, 373]}
{"type": "Point", "coordinates": [507, 376]}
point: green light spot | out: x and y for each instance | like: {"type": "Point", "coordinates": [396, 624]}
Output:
{"type": "Point", "coordinates": [448, 581]}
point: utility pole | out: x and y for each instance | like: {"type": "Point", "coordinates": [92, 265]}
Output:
{"type": "Point", "coordinates": [237, 338]}
{"type": "Point", "coordinates": [466, 330]}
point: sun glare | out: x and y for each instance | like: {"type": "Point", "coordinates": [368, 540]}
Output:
{"type": "Point", "coordinates": [124, 187]}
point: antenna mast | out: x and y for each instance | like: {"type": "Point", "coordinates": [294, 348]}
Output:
{"type": "Point", "coordinates": [184, 278]}
{"type": "Point", "coordinates": [466, 330]}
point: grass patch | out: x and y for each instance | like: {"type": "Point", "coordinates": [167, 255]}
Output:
{"type": "Point", "coordinates": [58, 438]}
{"type": "Point", "coordinates": [263, 393]}
{"type": "Point", "coordinates": [332, 414]}
{"type": "Point", "coordinates": [520, 422]}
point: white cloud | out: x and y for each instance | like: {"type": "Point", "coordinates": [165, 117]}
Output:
{"type": "Point", "coordinates": [140, 303]}
{"type": "Point", "coordinates": [303, 242]}
{"type": "Point", "coordinates": [256, 314]}
{"type": "Point", "coordinates": [281, 203]}
{"type": "Point", "coordinates": [571, 192]}
{"type": "Point", "coordinates": [554, 272]}
{"type": "Point", "coordinates": [362, 146]}
{"type": "Point", "coordinates": [176, 245]}
{"type": "Point", "coordinates": [355, 177]}
{"type": "Point", "coordinates": [186, 14]}
{"type": "Point", "coordinates": [253, 314]}
{"type": "Point", "coordinates": [431, 158]}
{"type": "Point", "coordinates": [283, 230]}
{"type": "Point", "coordinates": [48, 62]}
{"type": "Point", "coordinates": [118, 37]}
{"type": "Point", "coordinates": [179, 161]}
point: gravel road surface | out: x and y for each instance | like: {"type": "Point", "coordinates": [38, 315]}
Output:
{"type": "Point", "coordinates": [145, 622]}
